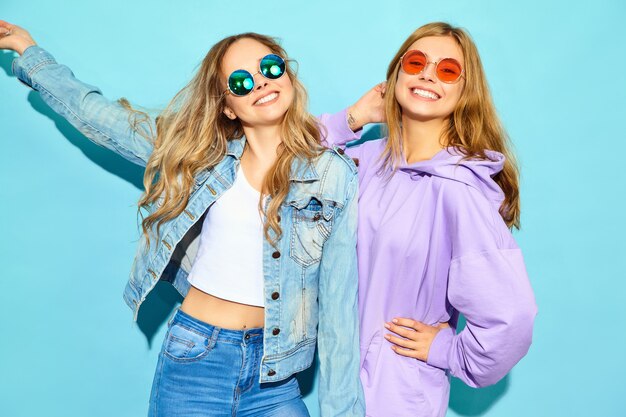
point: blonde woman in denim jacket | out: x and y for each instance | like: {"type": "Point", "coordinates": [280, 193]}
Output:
{"type": "Point", "coordinates": [238, 191]}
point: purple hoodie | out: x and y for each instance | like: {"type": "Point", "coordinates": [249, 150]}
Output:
{"type": "Point", "coordinates": [431, 245]}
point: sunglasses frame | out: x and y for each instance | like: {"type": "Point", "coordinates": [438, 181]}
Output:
{"type": "Point", "coordinates": [435, 63]}
{"type": "Point", "coordinates": [228, 89]}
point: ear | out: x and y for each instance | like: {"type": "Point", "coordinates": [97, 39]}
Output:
{"type": "Point", "coordinates": [229, 113]}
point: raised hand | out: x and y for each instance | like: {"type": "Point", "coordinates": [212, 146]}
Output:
{"type": "Point", "coordinates": [370, 108]}
{"type": "Point", "coordinates": [14, 38]}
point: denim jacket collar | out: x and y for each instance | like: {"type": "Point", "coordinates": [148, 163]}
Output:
{"type": "Point", "coordinates": [235, 147]}
{"type": "Point", "coordinates": [301, 171]}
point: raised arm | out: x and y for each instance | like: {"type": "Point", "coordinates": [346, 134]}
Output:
{"type": "Point", "coordinates": [105, 122]}
{"type": "Point", "coordinates": [346, 126]}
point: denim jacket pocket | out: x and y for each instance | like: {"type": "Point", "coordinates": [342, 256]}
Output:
{"type": "Point", "coordinates": [183, 344]}
{"type": "Point", "coordinates": [311, 227]}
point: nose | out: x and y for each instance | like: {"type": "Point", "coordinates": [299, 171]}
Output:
{"type": "Point", "coordinates": [259, 81]}
{"type": "Point", "coordinates": [428, 73]}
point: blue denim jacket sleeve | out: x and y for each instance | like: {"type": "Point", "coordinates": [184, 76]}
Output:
{"type": "Point", "coordinates": [104, 122]}
{"type": "Point", "coordinates": [340, 391]}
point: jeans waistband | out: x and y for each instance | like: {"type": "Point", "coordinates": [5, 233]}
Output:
{"type": "Point", "coordinates": [248, 336]}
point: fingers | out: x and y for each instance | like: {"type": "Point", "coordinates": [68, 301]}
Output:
{"type": "Point", "coordinates": [413, 337]}
{"type": "Point", "coordinates": [381, 88]}
{"type": "Point", "coordinates": [409, 353]}
{"type": "Point", "coordinates": [406, 343]}
{"type": "Point", "coordinates": [410, 323]}
{"type": "Point", "coordinates": [5, 26]}
{"type": "Point", "coordinates": [402, 331]}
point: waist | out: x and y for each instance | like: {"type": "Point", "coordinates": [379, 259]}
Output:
{"type": "Point", "coordinates": [222, 313]}
{"type": "Point", "coordinates": [249, 336]}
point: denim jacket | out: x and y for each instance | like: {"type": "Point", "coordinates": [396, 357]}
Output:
{"type": "Point", "coordinates": [311, 274]}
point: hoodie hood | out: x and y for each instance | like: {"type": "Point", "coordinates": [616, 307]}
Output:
{"type": "Point", "coordinates": [476, 173]}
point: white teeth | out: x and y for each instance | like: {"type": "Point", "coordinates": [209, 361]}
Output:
{"type": "Point", "coordinates": [267, 98]}
{"type": "Point", "coordinates": [425, 94]}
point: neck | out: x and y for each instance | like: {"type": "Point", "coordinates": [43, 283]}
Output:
{"type": "Point", "coordinates": [421, 140]}
{"type": "Point", "coordinates": [262, 142]}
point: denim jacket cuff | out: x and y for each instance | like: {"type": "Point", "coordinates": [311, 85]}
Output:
{"type": "Point", "coordinates": [33, 59]}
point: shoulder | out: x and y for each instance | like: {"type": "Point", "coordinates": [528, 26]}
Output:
{"type": "Point", "coordinates": [471, 213]}
{"type": "Point", "coordinates": [367, 153]}
{"type": "Point", "coordinates": [336, 161]}
{"type": "Point", "coordinates": [337, 175]}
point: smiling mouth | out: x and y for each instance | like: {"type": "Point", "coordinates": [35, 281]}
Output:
{"type": "Point", "coordinates": [266, 99]}
{"type": "Point", "coordinates": [425, 94]}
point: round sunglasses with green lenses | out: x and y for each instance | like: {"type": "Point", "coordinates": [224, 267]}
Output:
{"type": "Point", "coordinates": [241, 82]}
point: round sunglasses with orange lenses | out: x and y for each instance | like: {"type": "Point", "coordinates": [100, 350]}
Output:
{"type": "Point", "coordinates": [448, 70]}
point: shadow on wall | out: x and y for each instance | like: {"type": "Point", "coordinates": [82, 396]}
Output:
{"type": "Point", "coordinates": [306, 378]}
{"type": "Point", "coordinates": [372, 132]}
{"type": "Point", "coordinates": [467, 401]}
{"type": "Point", "coordinates": [104, 158]}
{"type": "Point", "coordinates": [157, 309]}
{"type": "Point", "coordinates": [6, 59]}
{"type": "Point", "coordinates": [164, 298]}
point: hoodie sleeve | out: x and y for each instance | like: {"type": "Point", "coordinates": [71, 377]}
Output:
{"type": "Point", "coordinates": [488, 284]}
{"type": "Point", "coordinates": [335, 129]}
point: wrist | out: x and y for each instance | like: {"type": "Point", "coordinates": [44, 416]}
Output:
{"type": "Point", "coordinates": [23, 46]}
{"type": "Point", "coordinates": [354, 118]}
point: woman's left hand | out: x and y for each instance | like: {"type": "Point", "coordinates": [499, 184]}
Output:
{"type": "Point", "coordinates": [416, 337]}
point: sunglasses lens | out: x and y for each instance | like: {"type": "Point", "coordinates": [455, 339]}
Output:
{"type": "Point", "coordinates": [240, 82]}
{"type": "Point", "coordinates": [449, 70]}
{"type": "Point", "coordinates": [272, 66]}
{"type": "Point", "coordinates": [414, 62]}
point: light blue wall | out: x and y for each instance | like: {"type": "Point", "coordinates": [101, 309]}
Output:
{"type": "Point", "coordinates": [68, 347]}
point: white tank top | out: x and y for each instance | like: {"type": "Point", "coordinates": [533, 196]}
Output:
{"type": "Point", "coordinates": [229, 263]}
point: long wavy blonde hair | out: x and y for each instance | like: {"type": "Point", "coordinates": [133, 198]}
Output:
{"type": "Point", "coordinates": [474, 125]}
{"type": "Point", "coordinates": [192, 136]}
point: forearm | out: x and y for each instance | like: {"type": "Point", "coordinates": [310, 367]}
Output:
{"type": "Point", "coordinates": [105, 122]}
{"type": "Point", "coordinates": [336, 129]}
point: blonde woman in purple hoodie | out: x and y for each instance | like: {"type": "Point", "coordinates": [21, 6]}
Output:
{"type": "Point", "coordinates": [437, 199]}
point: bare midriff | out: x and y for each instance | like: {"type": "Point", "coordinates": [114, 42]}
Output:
{"type": "Point", "coordinates": [222, 313]}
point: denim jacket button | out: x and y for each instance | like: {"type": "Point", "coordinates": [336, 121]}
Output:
{"type": "Point", "coordinates": [276, 255]}
{"type": "Point", "coordinates": [278, 218]}
{"type": "Point", "coordinates": [275, 295]}
{"type": "Point", "coordinates": [271, 372]}
{"type": "Point", "coordinates": [276, 331]}
{"type": "Point", "coordinates": [340, 151]}
{"type": "Point", "coordinates": [317, 217]}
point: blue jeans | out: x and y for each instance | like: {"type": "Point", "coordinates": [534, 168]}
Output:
{"type": "Point", "coordinates": [206, 371]}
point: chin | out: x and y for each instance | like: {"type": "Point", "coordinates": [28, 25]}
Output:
{"type": "Point", "coordinates": [276, 113]}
